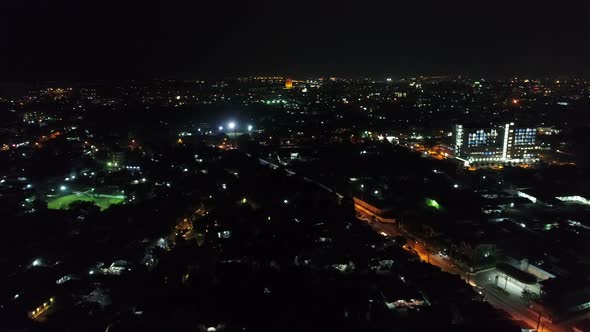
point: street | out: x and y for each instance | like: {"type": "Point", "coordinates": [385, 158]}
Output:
{"type": "Point", "coordinates": [510, 302]}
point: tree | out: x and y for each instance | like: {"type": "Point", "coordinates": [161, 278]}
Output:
{"type": "Point", "coordinates": [83, 207]}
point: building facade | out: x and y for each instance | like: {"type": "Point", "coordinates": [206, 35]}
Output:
{"type": "Point", "coordinates": [496, 145]}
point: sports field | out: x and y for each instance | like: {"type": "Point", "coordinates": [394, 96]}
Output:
{"type": "Point", "coordinates": [102, 201]}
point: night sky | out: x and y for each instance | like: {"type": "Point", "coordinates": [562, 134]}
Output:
{"type": "Point", "coordinates": [87, 40]}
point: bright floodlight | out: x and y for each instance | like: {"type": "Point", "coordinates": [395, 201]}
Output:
{"type": "Point", "coordinates": [220, 127]}
{"type": "Point", "coordinates": [249, 127]}
{"type": "Point", "coordinates": [62, 188]}
{"type": "Point", "coordinates": [232, 125]}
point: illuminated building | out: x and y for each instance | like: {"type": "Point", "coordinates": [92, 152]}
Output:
{"type": "Point", "coordinates": [288, 83]}
{"type": "Point", "coordinates": [500, 144]}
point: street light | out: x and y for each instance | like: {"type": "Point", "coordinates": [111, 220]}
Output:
{"type": "Point", "coordinates": [62, 188]}
{"type": "Point", "coordinates": [232, 127]}
{"type": "Point", "coordinates": [249, 127]}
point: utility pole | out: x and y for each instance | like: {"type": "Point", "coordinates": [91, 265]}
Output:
{"type": "Point", "coordinates": [539, 321]}
{"type": "Point", "coordinates": [362, 192]}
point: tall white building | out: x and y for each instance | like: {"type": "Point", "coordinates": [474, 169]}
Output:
{"type": "Point", "coordinates": [499, 144]}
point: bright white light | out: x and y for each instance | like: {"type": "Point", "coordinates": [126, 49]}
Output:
{"type": "Point", "coordinates": [37, 262]}
{"type": "Point", "coordinates": [62, 188]}
{"type": "Point", "coordinates": [576, 199]}
{"type": "Point", "coordinates": [522, 225]}
{"type": "Point", "coordinates": [220, 128]}
{"type": "Point", "coordinates": [232, 125]}
{"type": "Point", "coordinates": [249, 127]}
{"type": "Point", "coordinates": [376, 192]}
{"type": "Point", "coordinates": [29, 186]}
{"type": "Point", "coordinates": [286, 201]}
{"type": "Point", "coordinates": [455, 186]}
{"type": "Point", "coordinates": [91, 272]}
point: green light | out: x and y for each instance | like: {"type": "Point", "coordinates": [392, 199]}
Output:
{"type": "Point", "coordinates": [432, 203]}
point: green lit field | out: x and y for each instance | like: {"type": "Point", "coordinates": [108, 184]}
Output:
{"type": "Point", "coordinates": [102, 201]}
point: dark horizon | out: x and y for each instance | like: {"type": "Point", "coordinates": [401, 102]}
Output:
{"type": "Point", "coordinates": [111, 41]}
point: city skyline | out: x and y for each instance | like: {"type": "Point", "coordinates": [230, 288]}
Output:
{"type": "Point", "coordinates": [295, 166]}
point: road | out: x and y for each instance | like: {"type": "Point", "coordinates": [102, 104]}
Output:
{"type": "Point", "coordinates": [513, 304]}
